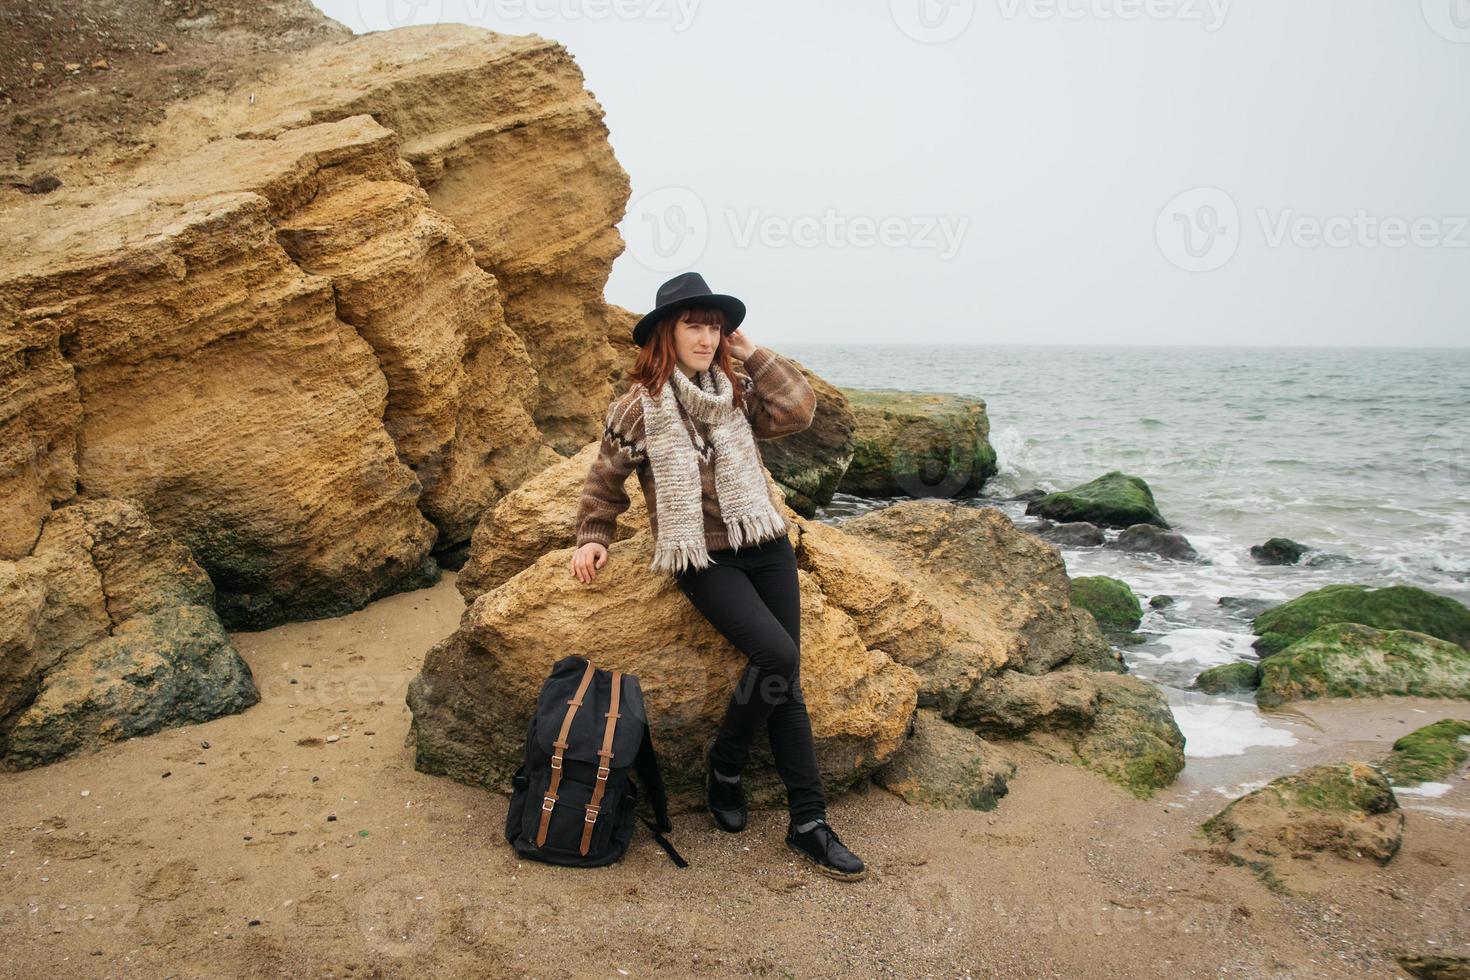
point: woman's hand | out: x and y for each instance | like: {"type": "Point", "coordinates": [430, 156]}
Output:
{"type": "Point", "coordinates": [587, 560]}
{"type": "Point", "coordinates": [740, 345]}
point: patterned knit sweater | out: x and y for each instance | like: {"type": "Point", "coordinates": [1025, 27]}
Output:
{"type": "Point", "coordinates": [778, 402]}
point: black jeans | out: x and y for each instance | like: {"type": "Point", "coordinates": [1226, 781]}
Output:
{"type": "Point", "coordinates": [751, 597]}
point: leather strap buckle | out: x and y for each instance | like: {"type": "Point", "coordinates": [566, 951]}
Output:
{"type": "Point", "coordinates": [547, 802]}
{"type": "Point", "coordinates": [592, 811]}
{"type": "Point", "coordinates": [556, 762]}
{"type": "Point", "coordinates": [602, 773]}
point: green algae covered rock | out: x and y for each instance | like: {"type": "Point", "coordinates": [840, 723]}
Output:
{"type": "Point", "coordinates": [1396, 607]}
{"type": "Point", "coordinates": [1431, 753]}
{"type": "Point", "coordinates": [1118, 726]}
{"type": "Point", "coordinates": [1111, 602]}
{"type": "Point", "coordinates": [917, 444]}
{"type": "Point", "coordinates": [1240, 677]}
{"type": "Point", "coordinates": [1114, 499]}
{"type": "Point", "coordinates": [1349, 660]}
{"type": "Point", "coordinates": [1344, 808]}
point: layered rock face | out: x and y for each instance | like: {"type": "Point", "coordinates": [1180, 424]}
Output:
{"type": "Point", "coordinates": [291, 353]}
{"type": "Point", "coordinates": [511, 148]}
{"type": "Point", "coordinates": [312, 330]}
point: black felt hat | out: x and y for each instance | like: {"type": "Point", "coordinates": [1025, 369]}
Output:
{"type": "Point", "coordinates": [681, 292]}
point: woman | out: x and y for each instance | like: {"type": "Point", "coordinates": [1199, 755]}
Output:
{"type": "Point", "coordinates": [688, 425]}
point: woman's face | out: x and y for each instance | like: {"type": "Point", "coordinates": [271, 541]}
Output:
{"type": "Point", "coordinates": [695, 344]}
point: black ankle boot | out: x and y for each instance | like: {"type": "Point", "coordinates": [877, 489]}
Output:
{"type": "Point", "coordinates": [726, 800]}
{"type": "Point", "coordinates": [821, 847]}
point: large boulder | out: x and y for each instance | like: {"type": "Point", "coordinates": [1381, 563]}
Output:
{"type": "Point", "coordinates": [1114, 499]}
{"type": "Point", "coordinates": [956, 592]}
{"type": "Point", "coordinates": [540, 516]}
{"type": "Point", "coordinates": [108, 631]}
{"type": "Point", "coordinates": [983, 612]}
{"type": "Point", "coordinates": [1349, 660]}
{"type": "Point", "coordinates": [477, 689]}
{"type": "Point", "coordinates": [1345, 809]}
{"type": "Point", "coordinates": [1395, 607]}
{"type": "Point", "coordinates": [918, 444]}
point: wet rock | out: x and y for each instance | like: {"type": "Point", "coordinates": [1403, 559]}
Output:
{"type": "Point", "coordinates": [1395, 607]}
{"type": "Point", "coordinates": [1350, 660]}
{"type": "Point", "coordinates": [1114, 499]}
{"type": "Point", "coordinates": [1278, 551]}
{"type": "Point", "coordinates": [1429, 754]}
{"type": "Point", "coordinates": [1147, 539]}
{"type": "Point", "coordinates": [1073, 534]}
{"type": "Point", "coordinates": [1346, 809]}
{"type": "Point", "coordinates": [1110, 601]}
{"type": "Point", "coordinates": [1241, 677]}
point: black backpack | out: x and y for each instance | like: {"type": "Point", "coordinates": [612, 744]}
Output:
{"type": "Point", "coordinates": [573, 798]}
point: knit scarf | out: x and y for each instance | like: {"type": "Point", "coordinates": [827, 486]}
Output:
{"type": "Point", "coordinates": [745, 498]}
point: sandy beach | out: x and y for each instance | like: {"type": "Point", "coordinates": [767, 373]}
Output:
{"type": "Point", "coordinates": [212, 851]}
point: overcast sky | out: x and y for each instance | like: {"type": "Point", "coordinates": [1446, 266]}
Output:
{"type": "Point", "coordinates": [1033, 171]}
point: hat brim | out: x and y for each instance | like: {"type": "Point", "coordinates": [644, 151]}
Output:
{"type": "Point", "coordinates": [734, 313]}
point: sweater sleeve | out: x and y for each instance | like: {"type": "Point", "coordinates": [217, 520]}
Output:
{"type": "Point", "coordinates": [779, 401]}
{"type": "Point", "coordinates": [603, 494]}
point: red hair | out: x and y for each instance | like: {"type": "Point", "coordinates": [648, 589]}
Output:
{"type": "Point", "coordinates": [657, 360]}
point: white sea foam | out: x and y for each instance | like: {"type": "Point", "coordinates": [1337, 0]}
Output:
{"type": "Point", "coordinates": [1195, 644]}
{"type": "Point", "coordinates": [1423, 789]}
{"type": "Point", "coordinates": [1242, 789]}
{"type": "Point", "coordinates": [1214, 728]}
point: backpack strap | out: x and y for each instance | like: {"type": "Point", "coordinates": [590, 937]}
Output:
{"type": "Point", "coordinates": [549, 800]}
{"type": "Point", "coordinates": [652, 779]}
{"type": "Point", "coordinates": [605, 753]}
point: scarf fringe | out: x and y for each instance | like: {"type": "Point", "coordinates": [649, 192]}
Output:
{"type": "Point", "coordinates": [753, 527]}
{"type": "Point", "coordinates": [674, 557]}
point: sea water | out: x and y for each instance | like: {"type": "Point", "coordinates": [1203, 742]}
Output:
{"type": "Point", "coordinates": [1359, 453]}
